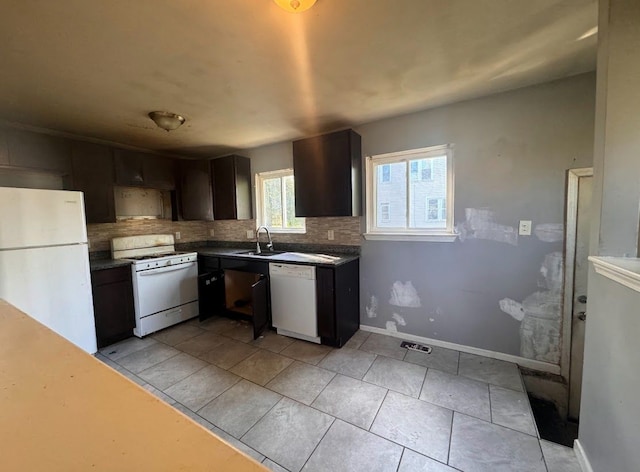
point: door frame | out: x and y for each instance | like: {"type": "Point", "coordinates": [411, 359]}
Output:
{"type": "Point", "coordinates": [573, 181]}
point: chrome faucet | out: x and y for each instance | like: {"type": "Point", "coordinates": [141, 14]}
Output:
{"type": "Point", "coordinates": [269, 245]}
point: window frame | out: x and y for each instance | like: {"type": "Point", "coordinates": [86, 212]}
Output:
{"type": "Point", "coordinates": [374, 232]}
{"type": "Point", "coordinates": [260, 177]}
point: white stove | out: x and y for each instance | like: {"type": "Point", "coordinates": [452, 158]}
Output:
{"type": "Point", "coordinates": [165, 282]}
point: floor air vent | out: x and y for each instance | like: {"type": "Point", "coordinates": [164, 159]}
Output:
{"type": "Point", "coordinates": [416, 347]}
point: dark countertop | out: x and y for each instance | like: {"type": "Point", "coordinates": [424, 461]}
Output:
{"type": "Point", "coordinates": [102, 264]}
{"type": "Point", "coordinates": [292, 257]}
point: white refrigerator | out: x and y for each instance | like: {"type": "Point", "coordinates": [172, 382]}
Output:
{"type": "Point", "coordinates": [44, 261]}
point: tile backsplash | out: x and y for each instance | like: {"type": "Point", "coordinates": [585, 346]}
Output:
{"type": "Point", "coordinates": [190, 231]}
{"type": "Point", "coordinates": [346, 231]}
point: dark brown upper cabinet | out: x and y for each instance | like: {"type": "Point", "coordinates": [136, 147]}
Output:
{"type": "Point", "coordinates": [39, 151]}
{"type": "Point", "coordinates": [137, 169]}
{"type": "Point", "coordinates": [231, 188]}
{"type": "Point", "coordinates": [196, 202]}
{"type": "Point", "coordinates": [93, 174]}
{"type": "Point", "coordinates": [159, 172]}
{"type": "Point", "coordinates": [128, 166]}
{"type": "Point", "coordinates": [328, 174]}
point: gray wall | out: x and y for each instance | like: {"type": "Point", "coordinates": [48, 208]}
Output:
{"type": "Point", "coordinates": [618, 129]}
{"type": "Point", "coordinates": [511, 154]}
{"type": "Point", "coordinates": [609, 413]}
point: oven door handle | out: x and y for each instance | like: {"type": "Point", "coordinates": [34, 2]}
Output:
{"type": "Point", "coordinates": [161, 270]}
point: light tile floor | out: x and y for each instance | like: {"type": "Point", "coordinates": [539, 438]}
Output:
{"type": "Point", "coordinates": [370, 406]}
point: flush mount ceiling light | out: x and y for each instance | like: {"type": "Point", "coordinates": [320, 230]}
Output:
{"type": "Point", "coordinates": [166, 120]}
{"type": "Point", "coordinates": [295, 6]}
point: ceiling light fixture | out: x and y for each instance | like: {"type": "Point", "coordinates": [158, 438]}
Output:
{"type": "Point", "coordinates": [166, 120]}
{"type": "Point", "coordinates": [295, 6]}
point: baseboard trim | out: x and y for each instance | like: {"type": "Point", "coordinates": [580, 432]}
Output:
{"type": "Point", "coordinates": [522, 361]}
{"type": "Point", "coordinates": [585, 465]}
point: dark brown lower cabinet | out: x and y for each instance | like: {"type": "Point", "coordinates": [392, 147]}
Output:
{"type": "Point", "coordinates": [113, 304]}
{"type": "Point", "coordinates": [235, 288]}
{"type": "Point", "coordinates": [240, 288]}
{"type": "Point", "coordinates": [338, 298]}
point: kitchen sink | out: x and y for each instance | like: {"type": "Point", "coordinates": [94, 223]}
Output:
{"type": "Point", "coordinates": [261, 254]}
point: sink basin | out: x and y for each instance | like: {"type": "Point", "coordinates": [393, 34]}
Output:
{"type": "Point", "coordinates": [262, 254]}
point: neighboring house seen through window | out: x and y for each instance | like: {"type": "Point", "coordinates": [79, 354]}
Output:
{"type": "Point", "coordinates": [275, 202]}
{"type": "Point", "coordinates": [410, 194]}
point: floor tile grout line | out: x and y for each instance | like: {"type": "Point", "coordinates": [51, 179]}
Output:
{"type": "Point", "coordinates": [453, 417]}
{"type": "Point", "coordinates": [378, 411]}
{"type": "Point", "coordinates": [490, 405]}
{"type": "Point", "coordinates": [401, 456]}
{"type": "Point", "coordinates": [424, 381]}
{"type": "Point", "coordinates": [323, 436]}
{"type": "Point", "coordinates": [255, 423]}
{"type": "Point", "coordinates": [176, 382]}
{"type": "Point", "coordinates": [324, 388]}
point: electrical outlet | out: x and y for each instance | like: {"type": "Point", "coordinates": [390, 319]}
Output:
{"type": "Point", "coordinates": [249, 234]}
{"type": "Point", "coordinates": [330, 235]}
{"type": "Point", "coordinates": [178, 235]}
{"type": "Point", "coordinates": [212, 232]}
{"type": "Point", "coordinates": [525, 228]}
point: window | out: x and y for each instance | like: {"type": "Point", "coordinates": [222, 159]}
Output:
{"type": "Point", "coordinates": [436, 209]}
{"type": "Point", "coordinates": [275, 202]}
{"type": "Point", "coordinates": [416, 200]}
{"type": "Point", "coordinates": [384, 212]}
{"type": "Point", "coordinates": [385, 175]}
{"type": "Point", "coordinates": [422, 169]}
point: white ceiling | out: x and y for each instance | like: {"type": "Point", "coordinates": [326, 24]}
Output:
{"type": "Point", "coordinates": [246, 73]}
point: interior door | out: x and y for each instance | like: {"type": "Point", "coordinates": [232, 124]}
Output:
{"type": "Point", "coordinates": [260, 291]}
{"type": "Point", "coordinates": [579, 311]}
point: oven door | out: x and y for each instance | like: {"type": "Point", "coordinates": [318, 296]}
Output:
{"type": "Point", "coordinates": [160, 289]}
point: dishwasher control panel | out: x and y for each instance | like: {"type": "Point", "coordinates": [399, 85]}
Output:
{"type": "Point", "coordinates": [292, 270]}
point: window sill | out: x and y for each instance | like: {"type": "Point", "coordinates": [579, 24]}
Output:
{"type": "Point", "coordinates": [287, 231]}
{"type": "Point", "coordinates": [435, 237]}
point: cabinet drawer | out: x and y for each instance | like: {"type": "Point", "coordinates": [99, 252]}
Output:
{"type": "Point", "coordinates": [208, 264]}
{"type": "Point", "coordinates": [110, 276]}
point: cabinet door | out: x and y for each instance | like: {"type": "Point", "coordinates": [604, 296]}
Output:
{"type": "Point", "coordinates": [347, 301]}
{"type": "Point", "coordinates": [224, 188]}
{"type": "Point", "coordinates": [243, 188]}
{"type": "Point", "coordinates": [128, 167]}
{"type": "Point", "coordinates": [322, 167]}
{"type": "Point", "coordinates": [39, 151]}
{"type": "Point", "coordinates": [93, 174]}
{"type": "Point", "coordinates": [259, 294]}
{"type": "Point", "coordinates": [231, 188]}
{"type": "Point", "coordinates": [196, 200]}
{"type": "Point", "coordinates": [325, 295]}
{"type": "Point", "coordinates": [159, 172]}
{"type": "Point", "coordinates": [113, 305]}
{"type": "Point", "coordinates": [211, 294]}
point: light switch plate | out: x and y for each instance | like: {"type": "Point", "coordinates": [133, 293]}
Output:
{"type": "Point", "coordinates": [212, 232]}
{"type": "Point", "coordinates": [178, 235]}
{"type": "Point", "coordinates": [330, 235]}
{"type": "Point", "coordinates": [249, 234]}
{"type": "Point", "coordinates": [525, 228]}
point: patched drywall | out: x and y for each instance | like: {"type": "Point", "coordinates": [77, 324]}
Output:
{"type": "Point", "coordinates": [487, 289]}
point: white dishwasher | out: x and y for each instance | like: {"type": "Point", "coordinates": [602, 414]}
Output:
{"type": "Point", "coordinates": [293, 301]}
